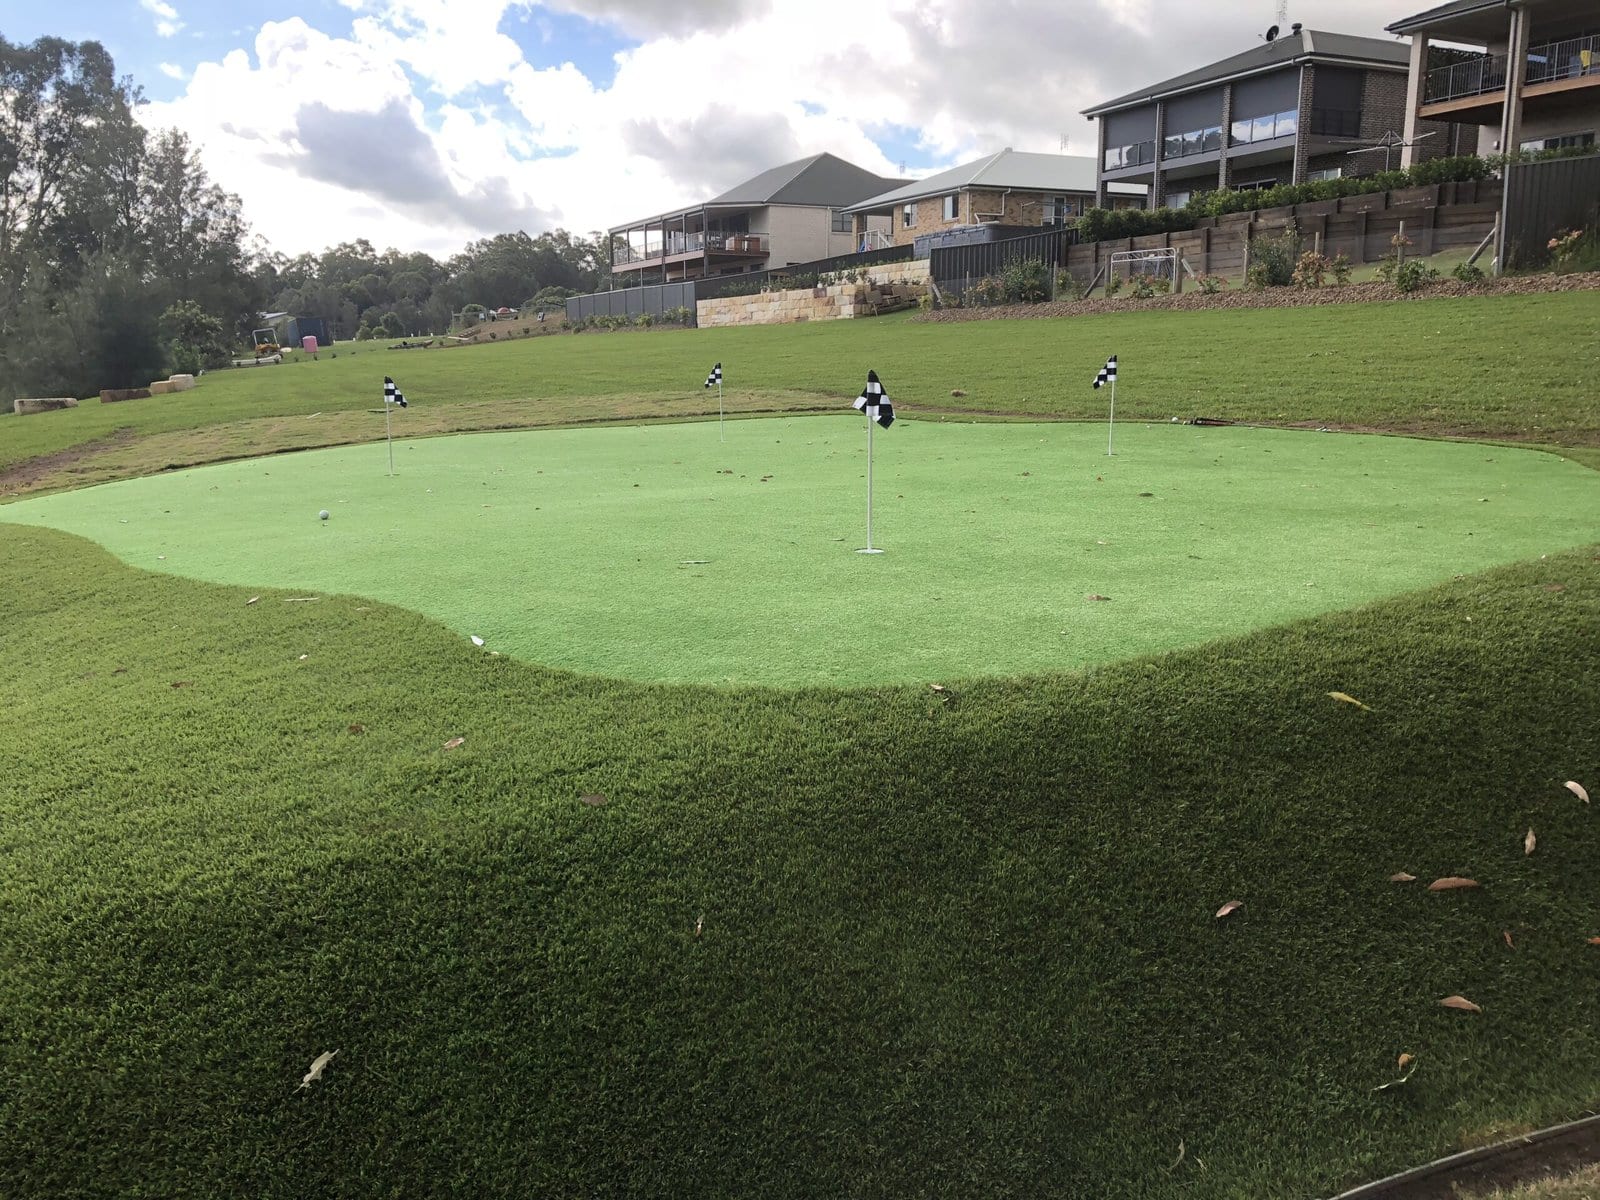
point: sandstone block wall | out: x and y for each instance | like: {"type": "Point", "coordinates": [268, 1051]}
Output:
{"type": "Point", "coordinates": [42, 404]}
{"type": "Point", "coordinates": [891, 283]}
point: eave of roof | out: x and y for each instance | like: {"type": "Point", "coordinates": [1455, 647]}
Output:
{"type": "Point", "coordinates": [1444, 12]}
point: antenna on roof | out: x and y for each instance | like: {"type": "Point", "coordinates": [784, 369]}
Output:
{"type": "Point", "coordinates": [1272, 34]}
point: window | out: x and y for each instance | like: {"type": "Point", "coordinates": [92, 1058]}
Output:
{"type": "Point", "coordinates": [952, 207]}
{"type": "Point", "coordinates": [1260, 129]}
{"type": "Point", "coordinates": [842, 222]}
{"type": "Point", "coordinates": [1135, 155]}
{"type": "Point", "coordinates": [1557, 143]}
{"type": "Point", "coordinates": [908, 216]}
{"type": "Point", "coordinates": [1325, 173]}
{"type": "Point", "coordinates": [1178, 199]}
{"type": "Point", "coordinates": [1196, 141]}
{"type": "Point", "coordinates": [1058, 210]}
{"type": "Point", "coordinates": [1256, 185]}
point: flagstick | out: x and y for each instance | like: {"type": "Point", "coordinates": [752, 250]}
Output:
{"type": "Point", "coordinates": [1112, 427]}
{"type": "Point", "coordinates": [869, 548]}
{"type": "Point", "coordinates": [388, 431]}
{"type": "Point", "coordinates": [721, 437]}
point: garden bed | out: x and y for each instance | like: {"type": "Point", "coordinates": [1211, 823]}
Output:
{"type": "Point", "coordinates": [1278, 297]}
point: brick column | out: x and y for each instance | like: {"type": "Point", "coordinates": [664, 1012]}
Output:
{"type": "Point", "coordinates": [1416, 82]}
{"type": "Point", "coordinates": [1158, 175]}
{"type": "Point", "coordinates": [1100, 165]}
{"type": "Point", "coordinates": [1302, 135]}
{"type": "Point", "coordinates": [1224, 171]}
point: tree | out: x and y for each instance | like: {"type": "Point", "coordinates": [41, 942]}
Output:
{"type": "Point", "coordinates": [194, 340]}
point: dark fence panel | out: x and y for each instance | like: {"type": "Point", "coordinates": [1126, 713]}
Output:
{"type": "Point", "coordinates": [1547, 198]}
{"type": "Point", "coordinates": [631, 302]}
{"type": "Point", "coordinates": [955, 268]}
{"type": "Point", "coordinates": [751, 281]}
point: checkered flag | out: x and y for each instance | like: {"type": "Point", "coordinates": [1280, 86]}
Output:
{"type": "Point", "coordinates": [392, 394]}
{"type": "Point", "coordinates": [715, 377]}
{"type": "Point", "coordinates": [1108, 373]}
{"type": "Point", "coordinates": [874, 401]}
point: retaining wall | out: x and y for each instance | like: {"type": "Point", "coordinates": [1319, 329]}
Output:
{"type": "Point", "coordinates": [894, 284]}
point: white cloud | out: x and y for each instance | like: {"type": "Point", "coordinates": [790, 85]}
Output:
{"type": "Point", "coordinates": [167, 21]}
{"type": "Point", "coordinates": [173, 71]}
{"type": "Point", "coordinates": [426, 126]}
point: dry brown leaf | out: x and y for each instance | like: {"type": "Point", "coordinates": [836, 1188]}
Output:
{"type": "Point", "coordinates": [1404, 1059]}
{"type": "Point", "coordinates": [184, 683]}
{"type": "Point", "coordinates": [1459, 1002]}
{"type": "Point", "coordinates": [454, 742]}
{"type": "Point", "coordinates": [1347, 698]}
{"type": "Point", "coordinates": [1510, 945]}
{"type": "Point", "coordinates": [1528, 843]}
{"type": "Point", "coordinates": [1555, 587]}
{"type": "Point", "coordinates": [1577, 789]}
{"type": "Point", "coordinates": [1232, 906]}
{"type": "Point", "coordinates": [938, 687]}
{"type": "Point", "coordinates": [1096, 596]}
{"type": "Point", "coordinates": [1451, 883]}
{"type": "Point", "coordinates": [358, 728]}
{"type": "Point", "coordinates": [1594, 941]}
{"type": "Point", "coordinates": [1402, 877]}
{"type": "Point", "coordinates": [251, 601]}
{"type": "Point", "coordinates": [593, 799]}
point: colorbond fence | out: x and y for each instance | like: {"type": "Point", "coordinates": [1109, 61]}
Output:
{"type": "Point", "coordinates": [1546, 199]}
{"type": "Point", "coordinates": [632, 302]}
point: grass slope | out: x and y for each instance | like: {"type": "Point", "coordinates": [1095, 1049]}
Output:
{"type": "Point", "coordinates": [948, 948]}
{"type": "Point", "coordinates": [1499, 366]}
{"type": "Point", "coordinates": [665, 554]}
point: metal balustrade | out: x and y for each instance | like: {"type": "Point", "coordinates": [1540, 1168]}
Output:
{"type": "Point", "coordinates": [1571, 58]}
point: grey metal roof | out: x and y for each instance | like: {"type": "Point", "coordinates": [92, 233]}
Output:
{"type": "Point", "coordinates": [1310, 45]}
{"type": "Point", "coordinates": [1459, 8]}
{"type": "Point", "coordinates": [1007, 169]}
{"type": "Point", "coordinates": [821, 181]}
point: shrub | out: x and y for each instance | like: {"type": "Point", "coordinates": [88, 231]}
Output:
{"type": "Point", "coordinates": [1257, 277]}
{"type": "Point", "coordinates": [1341, 268]}
{"type": "Point", "coordinates": [1576, 250]}
{"type": "Point", "coordinates": [1276, 256]}
{"type": "Point", "coordinates": [1468, 273]}
{"type": "Point", "coordinates": [1068, 286]}
{"type": "Point", "coordinates": [1413, 274]}
{"type": "Point", "coordinates": [1142, 289]}
{"type": "Point", "coordinates": [1113, 285]}
{"type": "Point", "coordinates": [1392, 260]}
{"type": "Point", "coordinates": [644, 320]}
{"type": "Point", "coordinates": [1210, 285]}
{"type": "Point", "coordinates": [986, 291]}
{"type": "Point", "coordinates": [1026, 282]}
{"type": "Point", "coordinates": [1310, 271]}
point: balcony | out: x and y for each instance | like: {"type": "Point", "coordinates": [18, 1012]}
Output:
{"type": "Point", "coordinates": [1549, 63]}
{"type": "Point", "coordinates": [1196, 141]}
{"type": "Point", "coordinates": [679, 246]}
{"type": "Point", "coordinates": [1136, 155]}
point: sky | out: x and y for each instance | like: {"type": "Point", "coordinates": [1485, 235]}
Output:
{"type": "Point", "coordinates": [426, 124]}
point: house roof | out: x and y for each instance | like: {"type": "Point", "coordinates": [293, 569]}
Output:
{"type": "Point", "coordinates": [1007, 169]}
{"type": "Point", "coordinates": [821, 181]}
{"type": "Point", "coordinates": [1307, 45]}
{"type": "Point", "coordinates": [1444, 12]}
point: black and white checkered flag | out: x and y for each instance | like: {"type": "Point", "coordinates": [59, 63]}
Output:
{"type": "Point", "coordinates": [874, 401]}
{"type": "Point", "coordinates": [392, 394]}
{"type": "Point", "coordinates": [1108, 373]}
{"type": "Point", "coordinates": [716, 375]}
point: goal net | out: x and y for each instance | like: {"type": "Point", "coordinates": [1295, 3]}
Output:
{"type": "Point", "coordinates": [1128, 265]}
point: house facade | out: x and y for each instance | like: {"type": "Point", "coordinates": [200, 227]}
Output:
{"type": "Point", "coordinates": [790, 214]}
{"type": "Point", "coordinates": [1009, 188]}
{"type": "Point", "coordinates": [1531, 80]}
{"type": "Point", "coordinates": [1304, 106]}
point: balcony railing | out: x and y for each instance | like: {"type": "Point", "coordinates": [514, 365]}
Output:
{"type": "Point", "coordinates": [1196, 141]}
{"type": "Point", "coordinates": [1336, 122]}
{"type": "Point", "coordinates": [1263, 129]}
{"type": "Point", "coordinates": [1572, 58]}
{"type": "Point", "coordinates": [1135, 155]}
{"type": "Point", "coordinates": [690, 243]}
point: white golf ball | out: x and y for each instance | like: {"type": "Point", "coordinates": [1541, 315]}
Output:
{"type": "Point", "coordinates": [323, 514]}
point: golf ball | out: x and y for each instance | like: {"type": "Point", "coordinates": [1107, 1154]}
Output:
{"type": "Point", "coordinates": [323, 514]}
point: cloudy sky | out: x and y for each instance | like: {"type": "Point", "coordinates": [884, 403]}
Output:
{"type": "Point", "coordinates": [422, 124]}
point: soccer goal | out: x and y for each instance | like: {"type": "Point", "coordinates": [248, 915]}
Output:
{"type": "Point", "coordinates": [1130, 265]}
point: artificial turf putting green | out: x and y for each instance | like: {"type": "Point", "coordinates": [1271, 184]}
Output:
{"type": "Point", "coordinates": [663, 554]}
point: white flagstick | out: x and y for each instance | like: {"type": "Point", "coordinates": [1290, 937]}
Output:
{"type": "Point", "coordinates": [721, 437]}
{"type": "Point", "coordinates": [869, 548]}
{"type": "Point", "coordinates": [388, 431]}
{"type": "Point", "coordinates": [1112, 428]}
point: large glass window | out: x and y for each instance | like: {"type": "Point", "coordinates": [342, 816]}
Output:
{"type": "Point", "coordinates": [842, 222]}
{"type": "Point", "coordinates": [1196, 141]}
{"type": "Point", "coordinates": [1135, 155]}
{"type": "Point", "coordinates": [908, 216]}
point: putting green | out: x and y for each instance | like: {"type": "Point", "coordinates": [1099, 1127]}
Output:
{"type": "Point", "coordinates": [660, 553]}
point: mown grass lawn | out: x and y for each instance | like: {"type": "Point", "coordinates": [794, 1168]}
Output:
{"type": "Point", "coordinates": [579, 937]}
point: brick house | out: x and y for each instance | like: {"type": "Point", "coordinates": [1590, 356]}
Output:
{"type": "Point", "coordinates": [1288, 111]}
{"type": "Point", "coordinates": [1008, 188]}
{"type": "Point", "coordinates": [789, 214]}
{"type": "Point", "coordinates": [1543, 95]}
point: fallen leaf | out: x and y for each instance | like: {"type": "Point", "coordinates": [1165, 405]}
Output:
{"type": "Point", "coordinates": [1577, 789]}
{"type": "Point", "coordinates": [184, 683]}
{"type": "Point", "coordinates": [1555, 587]}
{"type": "Point", "coordinates": [318, 1065]}
{"type": "Point", "coordinates": [1459, 1002]}
{"type": "Point", "coordinates": [1528, 843]}
{"type": "Point", "coordinates": [593, 799]}
{"type": "Point", "coordinates": [938, 687]}
{"type": "Point", "coordinates": [454, 742]}
{"type": "Point", "coordinates": [1346, 698]}
{"type": "Point", "coordinates": [1096, 596]}
{"type": "Point", "coordinates": [1404, 1059]}
{"type": "Point", "coordinates": [303, 657]}
{"type": "Point", "coordinates": [1232, 906]}
{"type": "Point", "coordinates": [1179, 1159]}
{"type": "Point", "coordinates": [1510, 945]}
{"type": "Point", "coordinates": [301, 599]}
{"type": "Point", "coordinates": [251, 601]}
{"type": "Point", "coordinates": [1402, 877]}
{"type": "Point", "coordinates": [699, 924]}
{"type": "Point", "coordinates": [120, 671]}
{"type": "Point", "coordinates": [476, 640]}
{"type": "Point", "coordinates": [1594, 941]}
{"type": "Point", "coordinates": [957, 392]}
{"type": "Point", "coordinates": [1147, 493]}
{"type": "Point", "coordinates": [1450, 883]}
{"type": "Point", "coordinates": [358, 728]}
